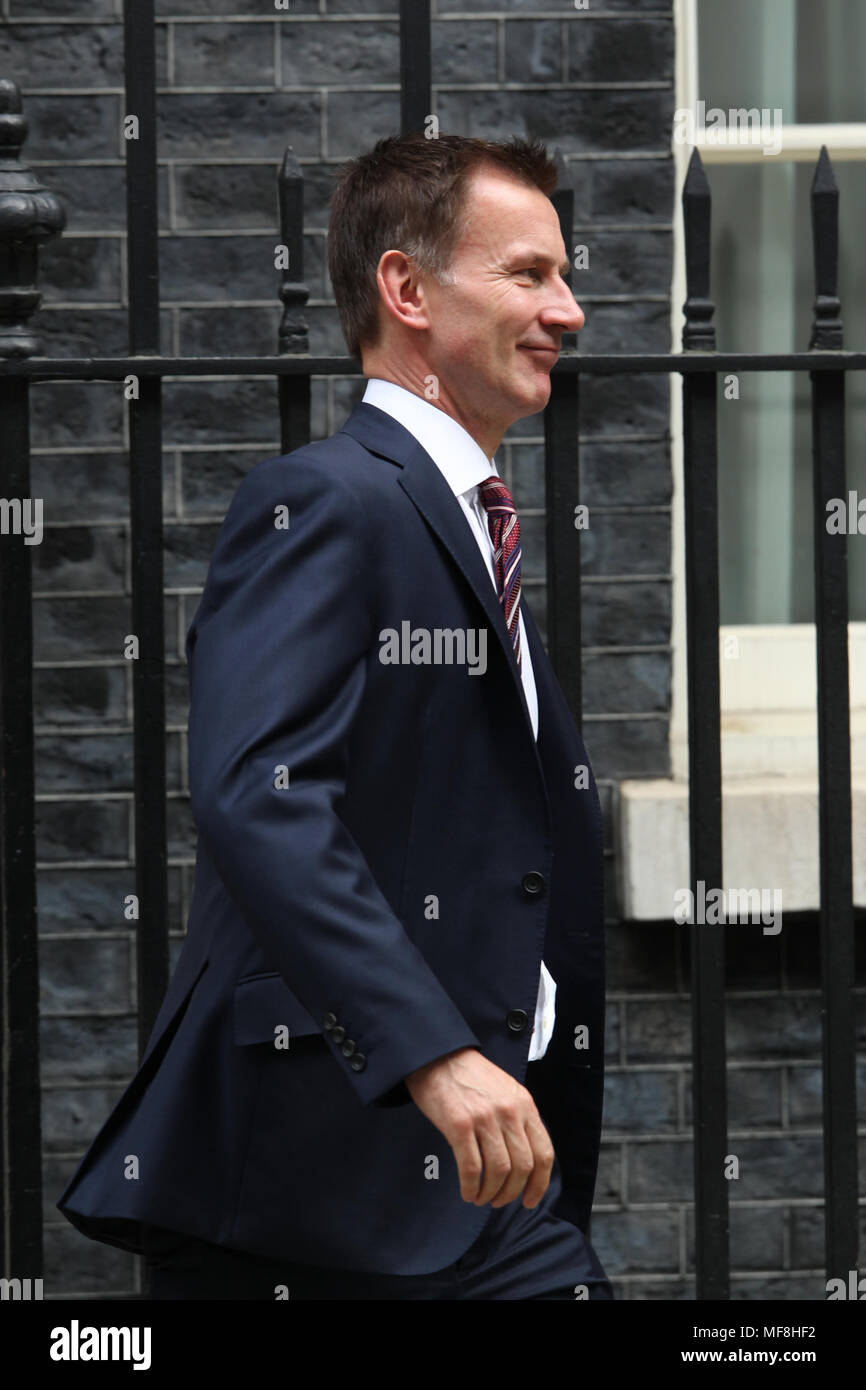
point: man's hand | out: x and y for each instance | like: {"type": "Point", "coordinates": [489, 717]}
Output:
{"type": "Point", "coordinates": [491, 1123]}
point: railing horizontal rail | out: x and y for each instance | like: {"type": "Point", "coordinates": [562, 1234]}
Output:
{"type": "Point", "coordinates": [115, 368]}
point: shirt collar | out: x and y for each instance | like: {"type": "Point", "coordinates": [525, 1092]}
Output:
{"type": "Point", "coordinates": [462, 462]}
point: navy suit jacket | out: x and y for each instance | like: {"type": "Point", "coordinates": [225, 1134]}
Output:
{"type": "Point", "coordinates": [384, 856]}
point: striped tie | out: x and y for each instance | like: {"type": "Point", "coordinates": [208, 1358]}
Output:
{"type": "Point", "coordinates": [505, 534]}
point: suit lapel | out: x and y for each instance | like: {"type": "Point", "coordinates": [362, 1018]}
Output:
{"type": "Point", "coordinates": [423, 482]}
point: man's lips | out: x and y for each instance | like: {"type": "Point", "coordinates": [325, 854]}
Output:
{"type": "Point", "coordinates": [543, 350]}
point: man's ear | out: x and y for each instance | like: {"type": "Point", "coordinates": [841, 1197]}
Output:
{"type": "Point", "coordinates": [401, 290]}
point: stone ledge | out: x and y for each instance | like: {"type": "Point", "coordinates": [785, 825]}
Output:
{"type": "Point", "coordinates": [769, 841]}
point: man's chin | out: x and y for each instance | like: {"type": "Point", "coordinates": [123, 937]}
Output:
{"type": "Point", "coordinates": [536, 393]}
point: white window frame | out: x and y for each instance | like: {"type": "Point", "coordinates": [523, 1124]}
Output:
{"type": "Point", "coordinates": [768, 694]}
{"type": "Point", "coordinates": [744, 683]}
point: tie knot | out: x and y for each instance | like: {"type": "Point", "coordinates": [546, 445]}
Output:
{"type": "Point", "coordinates": [496, 497]}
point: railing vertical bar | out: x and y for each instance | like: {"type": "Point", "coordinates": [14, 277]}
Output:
{"type": "Point", "coordinates": [145, 507]}
{"type": "Point", "coordinates": [562, 495]}
{"type": "Point", "coordinates": [709, 1082]}
{"type": "Point", "coordinates": [834, 750]}
{"type": "Point", "coordinates": [20, 1127]}
{"type": "Point", "coordinates": [293, 392]}
{"type": "Point", "coordinates": [29, 215]}
{"type": "Point", "coordinates": [415, 65]}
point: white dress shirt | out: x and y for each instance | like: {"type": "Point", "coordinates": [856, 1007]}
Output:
{"type": "Point", "coordinates": [464, 465]}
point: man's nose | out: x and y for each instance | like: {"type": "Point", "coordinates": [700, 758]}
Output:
{"type": "Point", "coordinates": [566, 312]}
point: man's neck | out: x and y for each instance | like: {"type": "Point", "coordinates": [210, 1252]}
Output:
{"type": "Point", "coordinates": [420, 387]}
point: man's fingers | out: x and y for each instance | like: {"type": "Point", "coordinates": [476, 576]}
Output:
{"type": "Point", "coordinates": [508, 1150]}
{"type": "Point", "coordinates": [496, 1160]}
{"type": "Point", "coordinates": [467, 1154]}
{"type": "Point", "coordinates": [497, 1163]}
{"type": "Point", "coordinates": [539, 1179]}
{"type": "Point", "coordinates": [522, 1167]}
{"type": "Point", "coordinates": [500, 1145]}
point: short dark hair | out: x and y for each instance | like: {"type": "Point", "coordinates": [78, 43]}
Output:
{"type": "Point", "coordinates": [409, 194]}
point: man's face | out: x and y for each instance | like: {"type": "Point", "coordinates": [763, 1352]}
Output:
{"type": "Point", "coordinates": [496, 333]}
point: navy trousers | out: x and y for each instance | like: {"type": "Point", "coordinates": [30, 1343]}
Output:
{"type": "Point", "coordinates": [519, 1254]}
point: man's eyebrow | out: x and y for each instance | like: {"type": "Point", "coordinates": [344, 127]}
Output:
{"type": "Point", "coordinates": [564, 267]}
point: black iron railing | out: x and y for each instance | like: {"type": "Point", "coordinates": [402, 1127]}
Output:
{"type": "Point", "coordinates": [28, 216]}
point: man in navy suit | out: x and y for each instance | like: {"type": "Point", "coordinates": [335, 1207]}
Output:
{"type": "Point", "coordinates": [378, 1068]}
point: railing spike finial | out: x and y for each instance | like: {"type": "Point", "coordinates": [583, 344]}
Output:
{"type": "Point", "coordinates": [827, 322]}
{"type": "Point", "coordinates": [561, 167]}
{"type": "Point", "coordinates": [294, 329]}
{"type": "Point", "coordinates": [562, 198]}
{"type": "Point", "coordinates": [698, 330]}
{"type": "Point", "coordinates": [416, 100]}
{"type": "Point", "coordinates": [29, 215]}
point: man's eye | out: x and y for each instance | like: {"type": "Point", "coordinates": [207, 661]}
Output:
{"type": "Point", "coordinates": [531, 270]}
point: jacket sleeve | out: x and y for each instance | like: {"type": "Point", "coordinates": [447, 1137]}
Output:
{"type": "Point", "coordinates": [277, 657]}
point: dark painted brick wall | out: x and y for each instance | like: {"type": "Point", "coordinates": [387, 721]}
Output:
{"type": "Point", "coordinates": [237, 83]}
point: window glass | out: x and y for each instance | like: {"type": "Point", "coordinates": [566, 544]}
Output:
{"type": "Point", "coordinates": [809, 61]}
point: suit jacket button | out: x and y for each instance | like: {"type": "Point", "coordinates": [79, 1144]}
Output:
{"type": "Point", "coordinates": [330, 1020]}
{"type": "Point", "coordinates": [358, 1062]}
{"type": "Point", "coordinates": [338, 1033]}
{"type": "Point", "coordinates": [532, 883]}
{"type": "Point", "coordinates": [348, 1047]}
{"type": "Point", "coordinates": [517, 1020]}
